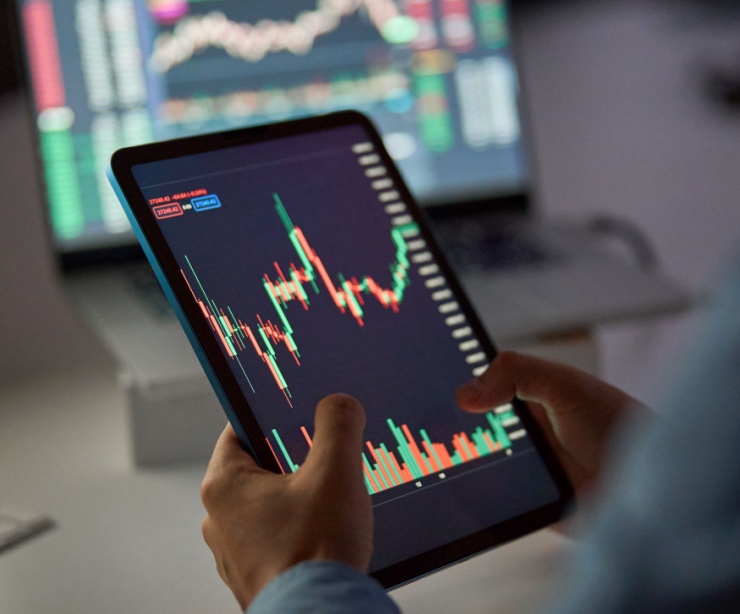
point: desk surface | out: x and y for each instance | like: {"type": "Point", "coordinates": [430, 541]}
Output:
{"type": "Point", "coordinates": [129, 540]}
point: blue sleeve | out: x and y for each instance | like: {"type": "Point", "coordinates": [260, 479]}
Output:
{"type": "Point", "coordinates": [667, 537]}
{"type": "Point", "coordinates": [323, 586]}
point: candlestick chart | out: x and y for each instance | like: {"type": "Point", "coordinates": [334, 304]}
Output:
{"type": "Point", "coordinates": [298, 283]}
{"type": "Point", "coordinates": [417, 457]}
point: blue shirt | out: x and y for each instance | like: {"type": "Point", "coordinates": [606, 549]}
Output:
{"type": "Point", "coordinates": [666, 539]}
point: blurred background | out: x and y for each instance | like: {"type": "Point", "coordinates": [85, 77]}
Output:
{"type": "Point", "coordinates": [634, 113]}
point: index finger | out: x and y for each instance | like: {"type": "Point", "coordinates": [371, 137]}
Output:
{"type": "Point", "coordinates": [228, 444]}
{"type": "Point", "coordinates": [229, 452]}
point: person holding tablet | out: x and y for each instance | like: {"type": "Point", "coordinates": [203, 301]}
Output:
{"type": "Point", "coordinates": [665, 533]}
{"type": "Point", "coordinates": [291, 290]}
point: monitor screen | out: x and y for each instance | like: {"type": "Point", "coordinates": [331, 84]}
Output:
{"type": "Point", "coordinates": [436, 76]}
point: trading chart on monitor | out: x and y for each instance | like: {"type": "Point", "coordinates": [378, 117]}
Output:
{"type": "Point", "coordinates": [436, 76]}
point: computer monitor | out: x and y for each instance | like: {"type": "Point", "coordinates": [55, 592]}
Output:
{"type": "Point", "coordinates": [436, 76]}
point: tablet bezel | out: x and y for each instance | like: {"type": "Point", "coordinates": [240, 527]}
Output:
{"type": "Point", "coordinates": [215, 363]}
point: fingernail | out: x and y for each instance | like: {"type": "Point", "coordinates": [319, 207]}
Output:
{"type": "Point", "coordinates": [471, 391]}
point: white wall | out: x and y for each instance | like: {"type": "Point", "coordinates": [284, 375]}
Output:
{"type": "Point", "coordinates": [622, 125]}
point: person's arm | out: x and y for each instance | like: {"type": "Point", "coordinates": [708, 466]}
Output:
{"type": "Point", "coordinates": [666, 538]}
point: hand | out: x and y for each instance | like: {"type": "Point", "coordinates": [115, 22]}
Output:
{"type": "Point", "coordinates": [258, 524]}
{"type": "Point", "coordinates": [577, 412]}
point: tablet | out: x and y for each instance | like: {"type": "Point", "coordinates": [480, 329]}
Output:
{"type": "Point", "coordinates": [299, 266]}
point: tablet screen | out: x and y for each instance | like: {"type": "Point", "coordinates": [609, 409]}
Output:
{"type": "Point", "coordinates": [314, 274]}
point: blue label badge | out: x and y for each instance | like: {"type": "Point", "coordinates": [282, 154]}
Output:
{"type": "Point", "coordinates": [205, 202]}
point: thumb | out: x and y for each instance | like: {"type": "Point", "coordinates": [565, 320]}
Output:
{"type": "Point", "coordinates": [499, 384]}
{"type": "Point", "coordinates": [557, 387]}
{"type": "Point", "coordinates": [337, 443]}
{"type": "Point", "coordinates": [560, 389]}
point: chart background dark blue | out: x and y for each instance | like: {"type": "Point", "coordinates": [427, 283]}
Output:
{"type": "Point", "coordinates": [404, 366]}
